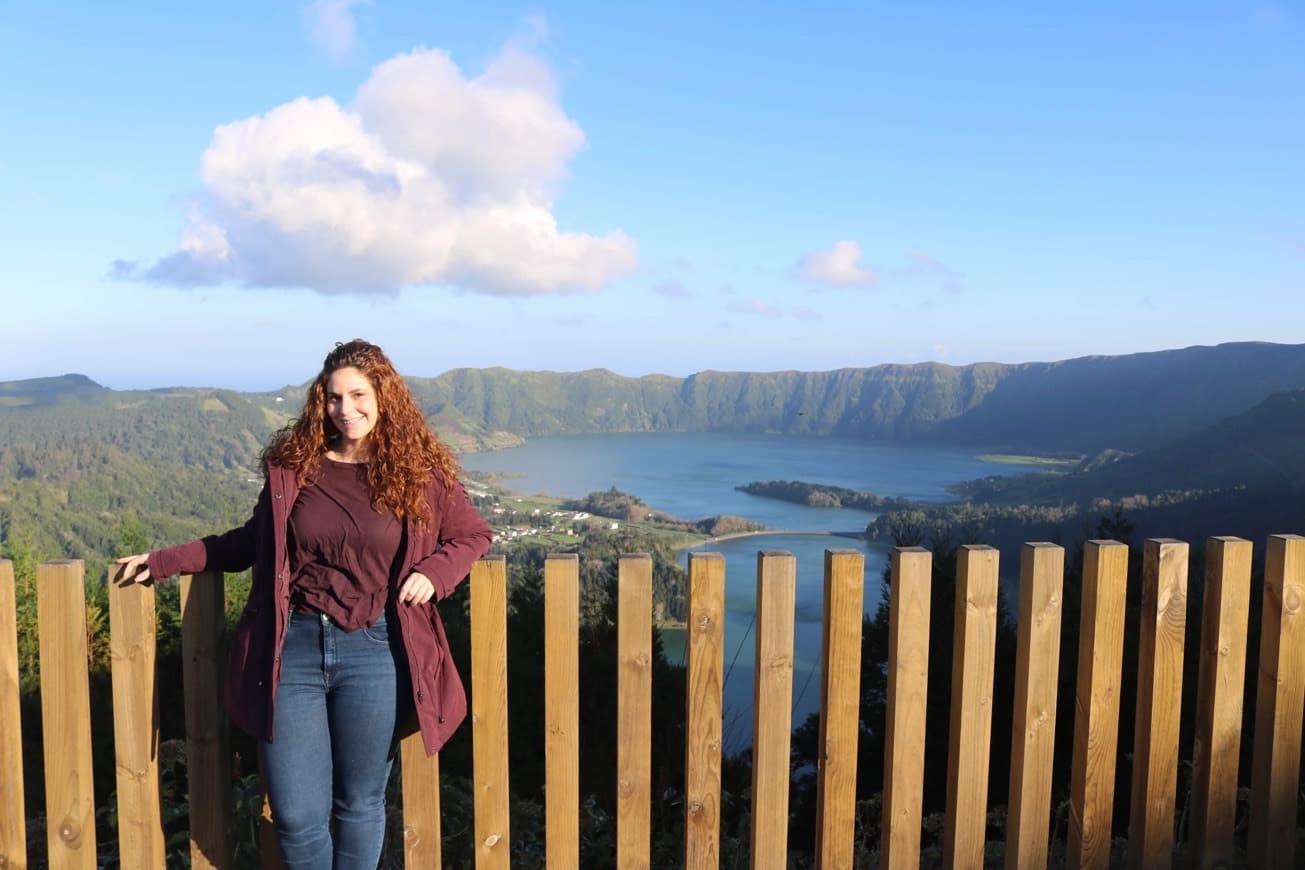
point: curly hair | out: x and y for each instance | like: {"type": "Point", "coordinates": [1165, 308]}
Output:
{"type": "Point", "coordinates": [406, 455]}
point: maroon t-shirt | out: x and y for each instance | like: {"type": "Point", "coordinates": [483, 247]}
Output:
{"type": "Point", "coordinates": [342, 550]}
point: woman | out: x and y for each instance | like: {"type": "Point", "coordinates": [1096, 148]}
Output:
{"type": "Point", "coordinates": [361, 526]}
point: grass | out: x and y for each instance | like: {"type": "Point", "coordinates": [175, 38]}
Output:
{"type": "Point", "coordinates": [1018, 459]}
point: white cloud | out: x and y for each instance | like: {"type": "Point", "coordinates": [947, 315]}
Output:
{"type": "Point", "coordinates": [429, 177]}
{"type": "Point", "coordinates": [331, 26]}
{"type": "Point", "coordinates": [758, 308]}
{"type": "Point", "coordinates": [840, 265]}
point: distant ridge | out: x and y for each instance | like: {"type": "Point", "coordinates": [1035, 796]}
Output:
{"type": "Point", "coordinates": [1133, 402]}
{"type": "Point", "coordinates": [41, 390]}
{"type": "Point", "coordinates": [1262, 448]}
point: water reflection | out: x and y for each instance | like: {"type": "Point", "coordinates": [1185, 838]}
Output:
{"type": "Point", "coordinates": [740, 620]}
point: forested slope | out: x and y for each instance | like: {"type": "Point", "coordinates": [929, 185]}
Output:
{"type": "Point", "coordinates": [1129, 402]}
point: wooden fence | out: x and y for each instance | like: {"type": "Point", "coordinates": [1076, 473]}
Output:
{"type": "Point", "coordinates": [1280, 707]}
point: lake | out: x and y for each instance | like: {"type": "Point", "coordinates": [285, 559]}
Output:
{"type": "Point", "coordinates": [694, 475]}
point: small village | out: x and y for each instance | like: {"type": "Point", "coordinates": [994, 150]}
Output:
{"type": "Point", "coordinates": [515, 517]}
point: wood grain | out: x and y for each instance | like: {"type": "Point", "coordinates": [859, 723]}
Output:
{"type": "Point", "coordinates": [135, 720]}
{"type": "Point", "coordinates": [489, 711]}
{"type": "Point", "coordinates": [13, 828]}
{"type": "Point", "coordinates": [562, 710]}
{"type": "Point", "coordinates": [1225, 613]}
{"type": "Point", "coordinates": [208, 752]}
{"type": "Point", "coordinates": [908, 683]}
{"type": "Point", "coordinates": [1096, 707]}
{"type": "Point", "coordinates": [974, 648]}
{"type": "Point", "coordinates": [1159, 700]}
{"type": "Point", "coordinates": [1279, 706]}
{"type": "Point", "coordinates": [772, 707]}
{"type": "Point", "coordinates": [703, 706]}
{"type": "Point", "coordinates": [419, 777]}
{"type": "Point", "coordinates": [66, 714]}
{"type": "Point", "coordinates": [634, 712]}
{"type": "Point", "coordinates": [1033, 738]}
{"type": "Point", "coordinates": [840, 707]}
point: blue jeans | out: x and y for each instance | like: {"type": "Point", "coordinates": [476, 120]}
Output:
{"type": "Point", "coordinates": [340, 698]}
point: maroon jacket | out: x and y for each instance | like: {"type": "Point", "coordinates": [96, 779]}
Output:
{"type": "Point", "coordinates": [443, 549]}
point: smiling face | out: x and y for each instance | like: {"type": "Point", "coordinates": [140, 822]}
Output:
{"type": "Point", "coordinates": [351, 406]}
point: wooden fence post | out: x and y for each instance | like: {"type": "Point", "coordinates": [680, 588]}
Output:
{"type": "Point", "coordinates": [1220, 685]}
{"type": "Point", "coordinates": [13, 827]}
{"type": "Point", "coordinates": [840, 707]}
{"type": "Point", "coordinates": [908, 685]}
{"type": "Point", "coordinates": [703, 707]}
{"type": "Point", "coordinates": [974, 652]}
{"type": "Point", "coordinates": [1279, 705]}
{"type": "Point", "coordinates": [1033, 737]}
{"type": "Point", "coordinates": [135, 721]}
{"type": "Point", "coordinates": [1096, 713]}
{"type": "Point", "coordinates": [208, 748]}
{"type": "Point", "coordinates": [772, 707]}
{"type": "Point", "coordinates": [634, 712]}
{"type": "Point", "coordinates": [489, 710]}
{"type": "Point", "coordinates": [1159, 699]}
{"type": "Point", "coordinates": [419, 776]}
{"type": "Point", "coordinates": [66, 713]}
{"type": "Point", "coordinates": [562, 710]}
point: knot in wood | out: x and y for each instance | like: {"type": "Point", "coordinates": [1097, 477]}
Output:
{"type": "Point", "coordinates": [492, 840]}
{"type": "Point", "coordinates": [704, 621]}
{"type": "Point", "coordinates": [780, 663]}
{"type": "Point", "coordinates": [695, 808]}
{"type": "Point", "coordinates": [68, 831]}
{"type": "Point", "coordinates": [1291, 599]}
{"type": "Point", "coordinates": [1225, 650]}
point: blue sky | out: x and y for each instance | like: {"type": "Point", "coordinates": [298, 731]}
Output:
{"type": "Point", "coordinates": [212, 195]}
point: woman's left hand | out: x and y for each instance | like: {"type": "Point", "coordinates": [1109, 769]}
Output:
{"type": "Point", "coordinates": [417, 589]}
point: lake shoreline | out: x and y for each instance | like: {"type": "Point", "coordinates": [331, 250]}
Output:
{"type": "Point", "coordinates": [753, 534]}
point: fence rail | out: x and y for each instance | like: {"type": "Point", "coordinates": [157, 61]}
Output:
{"type": "Point", "coordinates": [1224, 614]}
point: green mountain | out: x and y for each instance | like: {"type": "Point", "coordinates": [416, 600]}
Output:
{"type": "Point", "coordinates": [40, 391]}
{"type": "Point", "coordinates": [1259, 450]}
{"type": "Point", "coordinates": [1088, 404]}
{"type": "Point", "coordinates": [1200, 418]}
{"type": "Point", "coordinates": [1129, 402]}
{"type": "Point", "coordinates": [74, 461]}
{"type": "Point", "coordinates": [1245, 475]}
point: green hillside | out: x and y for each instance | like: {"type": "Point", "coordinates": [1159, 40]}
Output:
{"type": "Point", "coordinates": [1088, 404]}
{"type": "Point", "coordinates": [1262, 449]}
{"type": "Point", "coordinates": [73, 464]}
{"type": "Point", "coordinates": [74, 456]}
{"type": "Point", "coordinates": [40, 391]}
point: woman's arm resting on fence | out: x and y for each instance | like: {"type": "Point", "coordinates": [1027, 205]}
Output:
{"type": "Point", "coordinates": [135, 568]}
{"type": "Point", "coordinates": [229, 552]}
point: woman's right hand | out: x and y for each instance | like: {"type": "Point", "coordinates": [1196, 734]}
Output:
{"type": "Point", "coordinates": [135, 569]}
